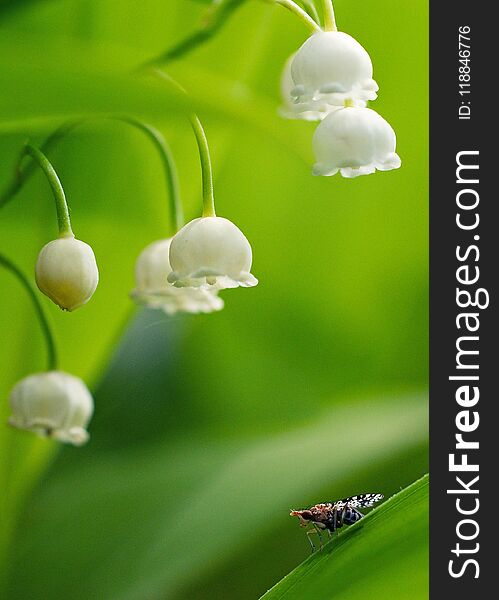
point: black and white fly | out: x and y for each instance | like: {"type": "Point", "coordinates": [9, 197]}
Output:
{"type": "Point", "coordinates": [330, 516]}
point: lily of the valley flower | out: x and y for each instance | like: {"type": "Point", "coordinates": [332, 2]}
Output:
{"type": "Point", "coordinates": [354, 141]}
{"type": "Point", "coordinates": [305, 111]}
{"type": "Point", "coordinates": [289, 109]}
{"type": "Point", "coordinates": [66, 272]}
{"type": "Point", "coordinates": [153, 289]}
{"type": "Point", "coordinates": [331, 67]}
{"type": "Point", "coordinates": [211, 252]}
{"type": "Point", "coordinates": [52, 404]}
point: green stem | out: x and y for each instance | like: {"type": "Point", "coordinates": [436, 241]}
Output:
{"type": "Point", "coordinates": [304, 17]}
{"type": "Point", "coordinates": [44, 324]}
{"type": "Point", "coordinates": [170, 170]}
{"type": "Point", "coordinates": [204, 151]}
{"type": "Point", "coordinates": [60, 199]}
{"type": "Point", "coordinates": [215, 17]}
{"type": "Point", "coordinates": [21, 175]}
{"type": "Point", "coordinates": [329, 18]}
{"type": "Point", "coordinates": [206, 169]}
{"type": "Point", "coordinates": [309, 6]}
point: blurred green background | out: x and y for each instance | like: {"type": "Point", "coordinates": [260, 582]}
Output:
{"type": "Point", "coordinates": [208, 429]}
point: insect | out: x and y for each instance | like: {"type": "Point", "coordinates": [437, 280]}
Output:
{"type": "Point", "coordinates": [330, 516]}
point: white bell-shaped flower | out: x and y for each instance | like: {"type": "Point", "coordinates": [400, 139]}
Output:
{"type": "Point", "coordinates": [354, 141]}
{"type": "Point", "coordinates": [211, 252]}
{"type": "Point", "coordinates": [52, 404]}
{"type": "Point", "coordinates": [66, 272]}
{"type": "Point", "coordinates": [331, 67]}
{"type": "Point", "coordinates": [291, 109]}
{"type": "Point", "coordinates": [154, 291]}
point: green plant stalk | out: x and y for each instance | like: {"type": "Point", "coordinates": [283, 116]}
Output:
{"type": "Point", "coordinates": [169, 167]}
{"type": "Point", "coordinates": [61, 205]}
{"type": "Point", "coordinates": [44, 324]}
{"type": "Point", "coordinates": [329, 18]}
{"type": "Point", "coordinates": [309, 6]}
{"type": "Point", "coordinates": [206, 168]}
{"type": "Point", "coordinates": [170, 170]}
{"type": "Point", "coordinates": [204, 151]}
{"type": "Point", "coordinates": [304, 17]}
{"type": "Point", "coordinates": [23, 173]}
{"type": "Point", "coordinates": [217, 15]}
{"type": "Point", "coordinates": [214, 18]}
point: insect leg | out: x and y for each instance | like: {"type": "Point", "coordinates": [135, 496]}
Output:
{"type": "Point", "coordinates": [319, 533]}
{"type": "Point", "coordinates": [309, 533]}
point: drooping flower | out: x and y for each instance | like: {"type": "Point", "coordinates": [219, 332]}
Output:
{"type": "Point", "coordinates": [211, 252]}
{"type": "Point", "coordinates": [66, 272]}
{"type": "Point", "coordinates": [153, 289]}
{"type": "Point", "coordinates": [354, 141]}
{"type": "Point", "coordinates": [52, 404]}
{"type": "Point", "coordinates": [291, 108]}
{"type": "Point", "coordinates": [331, 67]}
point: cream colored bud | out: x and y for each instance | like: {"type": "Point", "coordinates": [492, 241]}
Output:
{"type": "Point", "coordinates": [66, 272]}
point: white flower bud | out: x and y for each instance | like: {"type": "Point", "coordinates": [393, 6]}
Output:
{"type": "Point", "coordinates": [153, 289]}
{"type": "Point", "coordinates": [66, 272]}
{"type": "Point", "coordinates": [354, 141]}
{"type": "Point", "coordinates": [293, 109]}
{"type": "Point", "coordinates": [211, 252]}
{"type": "Point", "coordinates": [52, 404]}
{"type": "Point", "coordinates": [330, 68]}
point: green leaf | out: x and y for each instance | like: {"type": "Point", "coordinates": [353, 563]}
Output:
{"type": "Point", "coordinates": [384, 555]}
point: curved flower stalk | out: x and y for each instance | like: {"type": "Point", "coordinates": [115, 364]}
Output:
{"type": "Point", "coordinates": [215, 17]}
{"type": "Point", "coordinates": [23, 173]}
{"type": "Point", "coordinates": [66, 270]}
{"type": "Point", "coordinates": [153, 289]}
{"type": "Point", "coordinates": [354, 141]}
{"type": "Point", "coordinates": [40, 313]}
{"type": "Point", "coordinates": [52, 404]}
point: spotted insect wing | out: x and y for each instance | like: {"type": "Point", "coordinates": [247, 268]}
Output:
{"type": "Point", "coordinates": [362, 500]}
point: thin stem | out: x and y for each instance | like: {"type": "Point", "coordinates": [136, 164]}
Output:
{"type": "Point", "coordinates": [44, 324]}
{"type": "Point", "coordinates": [206, 169]}
{"type": "Point", "coordinates": [170, 169]}
{"type": "Point", "coordinates": [21, 175]}
{"type": "Point", "coordinates": [309, 6]}
{"type": "Point", "coordinates": [329, 18]}
{"type": "Point", "coordinates": [204, 151]}
{"type": "Point", "coordinates": [300, 13]}
{"type": "Point", "coordinates": [215, 18]}
{"type": "Point", "coordinates": [61, 205]}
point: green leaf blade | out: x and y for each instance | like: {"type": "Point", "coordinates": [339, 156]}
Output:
{"type": "Point", "coordinates": [385, 553]}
